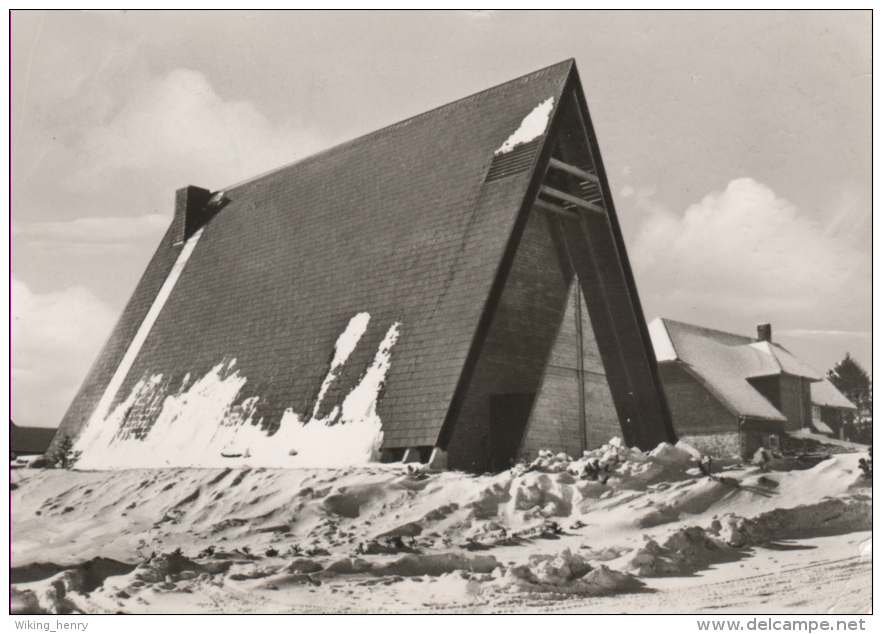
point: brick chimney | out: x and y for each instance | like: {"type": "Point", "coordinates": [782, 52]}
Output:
{"type": "Point", "coordinates": [764, 332]}
{"type": "Point", "coordinates": [189, 209]}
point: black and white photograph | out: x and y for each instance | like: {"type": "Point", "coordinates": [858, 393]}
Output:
{"type": "Point", "coordinates": [441, 312]}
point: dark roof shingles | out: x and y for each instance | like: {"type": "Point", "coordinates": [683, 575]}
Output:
{"type": "Point", "coordinates": [399, 224]}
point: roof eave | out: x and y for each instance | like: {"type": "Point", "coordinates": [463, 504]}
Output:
{"type": "Point", "coordinates": [783, 373]}
{"type": "Point", "coordinates": [723, 400]}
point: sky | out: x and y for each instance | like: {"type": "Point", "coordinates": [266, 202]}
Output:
{"type": "Point", "coordinates": [737, 146]}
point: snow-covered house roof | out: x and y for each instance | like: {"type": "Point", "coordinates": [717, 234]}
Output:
{"type": "Point", "coordinates": [720, 360]}
{"type": "Point", "coordinates": [724, 362]}
{"type": "Point", "coordinates": [363, 283]}
{"type": "Point", "coordinates": [773, 359]}
{"type": "Point", "coordinates": [825, 394]}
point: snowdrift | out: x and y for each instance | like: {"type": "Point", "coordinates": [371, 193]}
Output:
{"type": "Point", "coordinates": [599, 525]}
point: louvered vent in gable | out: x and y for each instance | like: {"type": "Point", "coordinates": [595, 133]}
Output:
{"type": "Point", "coordinates": [590, 191]}
{"type": "Point", "coordinates": [516, 161]}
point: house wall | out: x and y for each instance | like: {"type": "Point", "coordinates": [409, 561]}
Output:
{"type": "Point", "coordinates": [29, 440]}
{"type": "Point", "coordinates": [694, 409]}
{"type": "Point", "coordinates": [702, 421]}
{"type": "Point", "coordinates": [769, 387]}
{"type": "Point", "coordinates": [601, 421]}
{"type": "Point", "coordinates": [555, 422]}
{"type": "Point", "coordinates": [511, 365]}
{"type": "Point", "coordinates": [791, 395]}
{"type": "Point", "coordinates": [796, 401]}
{"type": "Point", "coordinates": [834, 418]}
{"type": "Point", "coordinates": [756, 433]}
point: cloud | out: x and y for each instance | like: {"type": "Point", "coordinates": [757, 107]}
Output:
{"type": "Point", "coordinates": [177, 129]}
{"type": "Point", "coordinates": [95, 232]}
{"type": "Point", "coordinates": [747, 253]}
{"type": "Point", "coordinates": [55, 337]}
{"type": "Point", "coordinates": [98, 183]}
{"type": "Point", "coordinates": [833, 334]}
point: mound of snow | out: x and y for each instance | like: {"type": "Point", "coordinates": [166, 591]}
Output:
{"type": "Point", "coordinates": [685, 551]}
{"type": "Point", "coordinates": [570, 574]}
{"type": "Point", "coordinates": [619, 466]}
{"type": "Point", "coordinates": [435, 565]}
{"type": "Point", "coordinates": [832, 516]}
{"type": "Point", "coordinates": [694, 548]}
{"type": "Point", "coordinates": [286, 535]}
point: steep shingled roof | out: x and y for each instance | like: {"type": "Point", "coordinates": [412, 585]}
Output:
{"type": "Point", "coordinates": [724, 361]}
{"type": "Point", "coordinates": [398, 223]}
{"type": "Point", "coordinates": [415, 225]}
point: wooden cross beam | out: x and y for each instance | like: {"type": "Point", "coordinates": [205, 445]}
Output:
{"type": "Point", "coordinates": [584, 204]}
{"type": "Point", "coordinates": [567, 213]}
{"type": "Point", "coordinates": [575, 171]}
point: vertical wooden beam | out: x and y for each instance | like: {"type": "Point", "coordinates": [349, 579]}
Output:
{"type": "Point", "coordinates": [604, 308]}
{"type": "Point", "coordinates": [580, 366]}
{"type": "Point", "coordinates": [657, 425]}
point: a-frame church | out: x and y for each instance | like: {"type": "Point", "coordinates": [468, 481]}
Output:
{"type": "Point", "coordinates": [452, 288]}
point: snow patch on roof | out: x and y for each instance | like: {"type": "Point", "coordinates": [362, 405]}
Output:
{"type": "Point", "coordinates": [532, 127]}
{"type": "Point", "coordinates": [208, 424]}
{"type": "Point", "coordinates": [661, 341]}
{"type": "Point", "coordinates": [806, 432]}
{"type": "Point", "coordinates": [358, 435]}
{"type": "Point", "coordinates": [193, 427]}
{"type": "Point", "coordinates": [349, 338]}
{"type": "Point", "coordinates": [122, 370]}
{"type": "Point", "coordinates": [721, 361]}
{"type": "Point", "coordinates": [343, 348]}
{"type": "Point", "coordinates": [361, 403]}
{"type": "Point", "coordinates": [780, 361]}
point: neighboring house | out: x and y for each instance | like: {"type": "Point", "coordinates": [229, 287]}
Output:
{"type": "Point", "coordinates": [459, 277]}
{"type": "Point", "coordinates": [29, 441]}
{"type": "Point", "coordinates": [831, 410]}
{"type": "Point", "coordinates": [729, 393]}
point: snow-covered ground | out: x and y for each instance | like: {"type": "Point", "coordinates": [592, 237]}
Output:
{"type": "Point", "coordinates": [617, 530]}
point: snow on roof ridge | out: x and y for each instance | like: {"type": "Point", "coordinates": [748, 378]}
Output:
{"type": "Point", "coordinates": [765, 347]}
{"type": "Point", "coordinates": [794, 365]}
{"type": "Point", "coordinates": [705, 329]}
{"type": "Point", "coordinates": [532, 127]}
